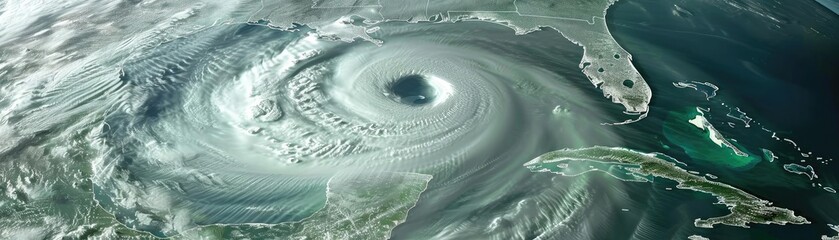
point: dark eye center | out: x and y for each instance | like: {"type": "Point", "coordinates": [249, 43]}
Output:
{"type": "Point", "coordinates": [413, 90]}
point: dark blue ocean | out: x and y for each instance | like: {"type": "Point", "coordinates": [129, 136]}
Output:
{"type": "Point", "coordinates": [778, 62]}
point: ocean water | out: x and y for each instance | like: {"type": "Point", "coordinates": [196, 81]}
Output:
{"type": "Point", "coordinates": [226, 120]}
{"type": "Point", "coordinates": [777, 66]}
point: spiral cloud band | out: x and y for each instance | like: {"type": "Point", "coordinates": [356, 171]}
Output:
{"type": "Point", "coordinates": [195, 130]}
{"type": "Point", "coordinates": [199, 123]}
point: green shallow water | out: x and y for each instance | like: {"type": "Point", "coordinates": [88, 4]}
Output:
{"type": "Point", "coordinates": [699, 143]}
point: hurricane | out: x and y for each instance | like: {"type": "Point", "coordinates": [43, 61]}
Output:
{"type": "Point", "coordinates": [372, 120]}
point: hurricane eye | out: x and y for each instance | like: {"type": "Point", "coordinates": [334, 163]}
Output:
{"type": "Point", "coordinates": [413, 90]}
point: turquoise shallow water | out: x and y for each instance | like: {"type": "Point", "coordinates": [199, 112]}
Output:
{"type": "Point", "coordinates": [780, 73]}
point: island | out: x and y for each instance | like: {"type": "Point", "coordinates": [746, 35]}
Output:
{"type": "Point", "coordinates": [745, 208]}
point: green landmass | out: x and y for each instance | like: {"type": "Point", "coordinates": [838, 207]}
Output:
{"type": "Point", "coordinates": [42, 201]}
{"type": "Point", "coordinates": [745, 208]}
{"type": "Point", "coordinates": [358, 206]}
